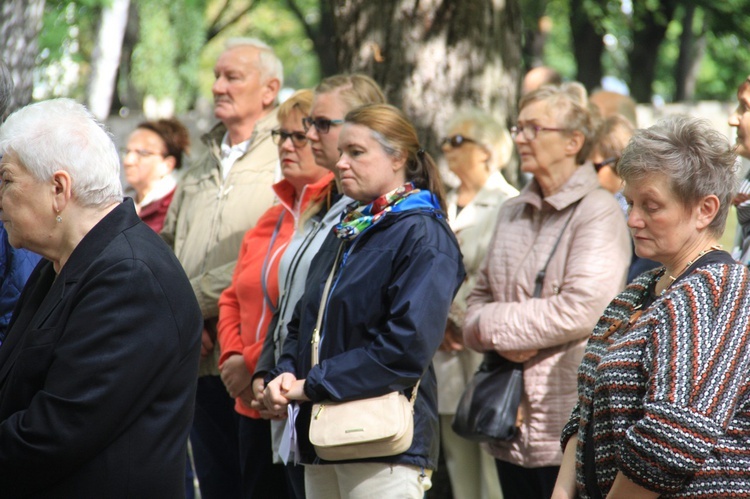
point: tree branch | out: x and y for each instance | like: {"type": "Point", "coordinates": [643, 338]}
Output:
{"type": "Point", "coordinates": [215, 23]}
{"type": "Point", "coordinates": [215, 30]}
{"type": "Point", "coordinates": [309, 30]}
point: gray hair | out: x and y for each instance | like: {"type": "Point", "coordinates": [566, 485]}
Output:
{"type": "Point", "coordinates": [488, 132]}
{"type": "Point", "coordinates": [697, 161]}
{"type": "Point", "coordinates": [61, 134]}
{"type": "Point", "coordinates": [269, 64]}
{"type": "Point", "coordinates": [573, 111]}
{"type": "Point", "coordinates": [6, 89]}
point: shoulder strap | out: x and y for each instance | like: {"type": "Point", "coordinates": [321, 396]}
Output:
{"type": "Point", "coordinates": [322, 307]}
{"type": "Point", "coordinates": [539, 281]}
{"type": "Point", "coordinates": [319, 320]}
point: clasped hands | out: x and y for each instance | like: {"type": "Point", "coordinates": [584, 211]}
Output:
{"type": "Point", "coordinates": [270, 400]}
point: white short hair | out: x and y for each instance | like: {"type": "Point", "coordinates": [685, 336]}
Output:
{"type": "Point", "coordinates": [61, 134]}
{"type": "Point", "coordinates": [270, 65]}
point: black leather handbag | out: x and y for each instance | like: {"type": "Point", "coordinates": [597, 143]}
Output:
{"type": "Point", "coordinates": [488, 409]}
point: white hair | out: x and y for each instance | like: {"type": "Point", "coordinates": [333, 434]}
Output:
{"type": "Point", "coordinates": [61, 134]}
{"type": "Point", "coordinates": [269, 65]}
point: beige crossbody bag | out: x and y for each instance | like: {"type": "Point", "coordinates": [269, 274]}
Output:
{"type": "Point", "coordinates": [357, 429]}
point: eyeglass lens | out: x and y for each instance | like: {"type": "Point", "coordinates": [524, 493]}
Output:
{"type": "Point", "coordinates": [299, 139]}
{"type": "Point", "coordinates": [609, 161]}
{"type": "Point", "coordinates": [322, 125]}
{"type": "Point", "coordinates": [141, 153]}
{"type": "Point", "coordinates": [529, 131]}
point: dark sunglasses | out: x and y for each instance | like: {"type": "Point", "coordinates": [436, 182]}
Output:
{"type": "Point", "coordinates": [322, 125]}
{"type": "Point", "coordinates": [609, 161]}
{"type": "Point", "coordinates": [456, 141]}
{"type": "Point", "coordinates": [299, 139]}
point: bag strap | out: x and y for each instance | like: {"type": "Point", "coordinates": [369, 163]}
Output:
{"type": "Point", "coordinates": [492, 356]}
{"type": "Point", "coordinates": [322, 308]}
{"type": "Point", "coordinates": [319, 321]}
{"type": "Point", "coordinates": [539, 281]}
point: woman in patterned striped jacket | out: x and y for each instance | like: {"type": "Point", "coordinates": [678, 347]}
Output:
{"type": "Point", "coordinates": [664, 385]}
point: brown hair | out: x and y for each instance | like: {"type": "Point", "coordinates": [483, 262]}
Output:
{"type": "Point", "coordinates": [174, 134]}
{"type": "Point", "coordinates": [301, 101]}
{"type": "Point", "coordinates": [354, 89]}
{"type": "Point", "coordinates": [613, 135]}
{"type": "Point", "coordinates": [399, 139]}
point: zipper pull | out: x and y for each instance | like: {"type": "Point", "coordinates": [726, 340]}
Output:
{"type": "Point", "coordinates": [320, 409]}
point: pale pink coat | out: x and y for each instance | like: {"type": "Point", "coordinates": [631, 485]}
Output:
{"type": "Point", "coordinates": [587, 270]}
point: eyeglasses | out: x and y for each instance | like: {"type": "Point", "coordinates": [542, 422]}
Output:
{"type": "Point", "coordinates": [322, 125]}
{"type": "Point", "coordinates": [530, 131]}
{"type": "Point", "coordinates": [299, 139]}
{"type": "Point", "coordinates": [609, 161]}
{"type": "Point", "coordinates": [141, 153]}
{"type": "Point", "coordinates": [456, 141]}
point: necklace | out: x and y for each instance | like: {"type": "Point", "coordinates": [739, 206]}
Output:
{"type": "Point", "coordinates": [672, 279]}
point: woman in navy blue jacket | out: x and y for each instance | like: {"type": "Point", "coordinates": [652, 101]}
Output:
{"type": "Point", "coordinates": [387, 307]}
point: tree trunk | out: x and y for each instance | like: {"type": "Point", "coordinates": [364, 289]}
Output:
{"type": "Point", "coordinates": [106, 57]}
{"type": "Point", "coordinates": [692, 48]}
{"type": "Point", "coordinates": [433, 57]}
{"type": "Point", "coordinates": [648, 34]}
{"type": "Point", "coordinates": [588, 46]}
{"type": "Point", "coordinates": [20, 22]}
{"type": "Point", "coordinates": [324, 41]}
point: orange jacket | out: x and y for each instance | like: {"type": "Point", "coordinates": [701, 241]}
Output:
{"type": "Point", "coordinates": [244, 311]}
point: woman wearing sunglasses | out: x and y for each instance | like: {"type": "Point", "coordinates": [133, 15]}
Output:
{"type": "Point", "coordinates": [247, 305]}
{"type": "Point", "coordinates": [334, 97]}
{"type": "Point", "coordinates": [563, 208]}
{"type": "Point", "coordinates": [476, 148]}
{"type": "Point", "coordinates": [613, 135]}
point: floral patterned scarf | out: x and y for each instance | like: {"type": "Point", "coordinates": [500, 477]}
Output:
{"type": "Point", "coordinates": [362, 217]}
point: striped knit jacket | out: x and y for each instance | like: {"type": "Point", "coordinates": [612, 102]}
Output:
{"type": "Point", "coordinates": [670, 393]}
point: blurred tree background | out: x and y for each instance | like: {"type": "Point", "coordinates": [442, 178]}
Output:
{"type": "Point", "coordinates": [661, 50]}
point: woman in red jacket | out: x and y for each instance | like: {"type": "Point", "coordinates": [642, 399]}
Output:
{"type": "Point", "coordinates": [247, 305]}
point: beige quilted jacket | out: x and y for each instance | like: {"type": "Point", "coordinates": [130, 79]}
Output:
{"type": "Point", "coordinates": [586, 272]}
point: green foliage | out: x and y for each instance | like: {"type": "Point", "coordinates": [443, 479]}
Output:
{"type": "Point", "coordinates": [272, 22]}
{"type": "Point", "coordinates": [165, 58]}
{"type": "Point", "coordinates": [558, 50]}
{"type": "Point", "coordinates": [726, 28]}
{"type": "Point", "coordinates": [66, 43]}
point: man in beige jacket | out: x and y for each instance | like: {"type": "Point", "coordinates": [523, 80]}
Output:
{"type": "Point", "coordinates": [220, 197]}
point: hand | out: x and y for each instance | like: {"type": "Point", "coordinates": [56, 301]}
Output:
{"type": "Point", "coordinates": [257, 387]}
{"type": "Point", "coordinates": [235, 376]}
{"type": "Point", "coordinates": [274, 395]}
{"type": "Point", "coordinates": [519, 356]}
{"type": "Point", "coordinates": [740, 198]}
{"type": "Point", "coordinates": [207, 344]}
{"type": "Point", "coordinates": [453, 341]}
